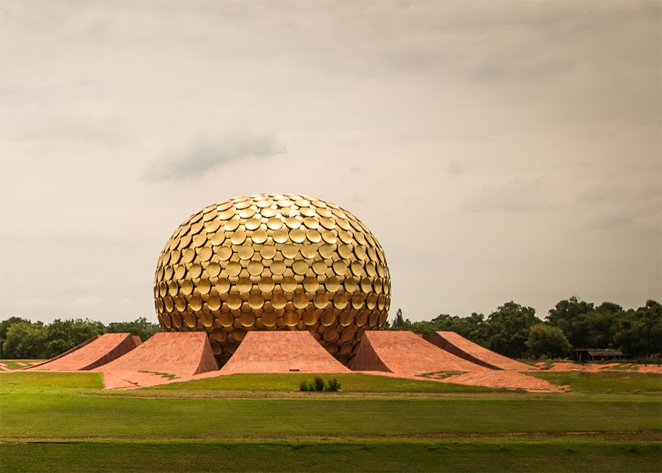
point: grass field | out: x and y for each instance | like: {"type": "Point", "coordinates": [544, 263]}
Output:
{"type": "Point", "coordinates": [66, 422]}
{"type": "Point", "coordinates": [606, 381]}
{"type": "Point", "coordinates": [354, 382]}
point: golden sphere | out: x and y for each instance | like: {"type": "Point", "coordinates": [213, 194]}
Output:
{"type": "Point", "coordinates": [273, 262]}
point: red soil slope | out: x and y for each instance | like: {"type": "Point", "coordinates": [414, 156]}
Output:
{"type": "Point", "coordinates": [504, 379]}
{"type": "Point", "coordinates": [406, 353]}
{"type": "Point", "coordinates": [470, 351]}
{"type": "Point", "coordinates": [281, 352]}
{"type": "Point", "coordinates": [175, 353]}
{"type": "Point", "coordinates": [95, 352]}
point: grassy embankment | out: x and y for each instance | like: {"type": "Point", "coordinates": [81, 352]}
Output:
{"type": "Point", "coordinates": [65, 422]}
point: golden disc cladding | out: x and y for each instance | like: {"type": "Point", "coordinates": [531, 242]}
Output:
{"type": "Point", "coordinates": [273, 261]}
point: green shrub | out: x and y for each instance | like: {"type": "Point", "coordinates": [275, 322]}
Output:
{"type": "Point", "coordinates": [318, 383]}
{"type": "Point", "coordinates": [332, 385]}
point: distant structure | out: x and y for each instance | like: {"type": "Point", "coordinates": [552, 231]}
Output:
{"type": "Point", "coordinates": [273, 262]}
{"type": "Point", "coordinates": [594, 354]}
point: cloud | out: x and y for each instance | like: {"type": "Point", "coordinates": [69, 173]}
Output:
{"type": "Point", "coordinates": [440, 105]}
{"type": "Point", "coordinates": [70, 128]}
{"type": "Point", "coordinates": [614, 206]}
{"type": "Point", "coordinates": [615, 194]}
{"type": "Point", "coordinates": [608, 222]}
{"type": "Point", "coordinates": [454, 167]}
{"type": "Point", "coordinates": [78, 284]}
{"type": "Point", "coordinates": [84, 302]}
{"type": "Point", "coordinates": [206, 155]}
{"type": "Point", "coordinates": [517, 195]}
{"type": "Point", "coordinates": [33, 303]}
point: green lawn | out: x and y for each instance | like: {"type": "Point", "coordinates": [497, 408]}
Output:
{"type": "Point", "coordinates": [27, 380]}
{"type": "Point", "coordinates": [606, 382]}
{"type": "Point", "coordinates": [65, 422]}
{"type": "Point", "coordinates": [353, 382]}
{"type": "Point", "coordinates": [77, 415]}
{"type": "Point", "coordinates": [324, 456]}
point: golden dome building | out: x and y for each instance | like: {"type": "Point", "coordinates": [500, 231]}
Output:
{"type": "Point", "coordinates": [273, 262]}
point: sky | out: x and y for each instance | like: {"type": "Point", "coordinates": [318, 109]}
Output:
{"type": "Point", "coordinates": [498, 150]}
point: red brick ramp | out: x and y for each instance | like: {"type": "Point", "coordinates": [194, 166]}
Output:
{"type": "Point", "coordinates": [97, 351]}
{"type": "Point", "coordinates": [405, 353]}
{"type": "Point", "coordinates": [281, 352]}
{"type": "Point", "coordinates": [458, 345]}
{"type": "Point", "coordinates": [180, 354]}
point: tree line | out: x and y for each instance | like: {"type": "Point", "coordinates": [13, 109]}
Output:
{"type": "Point", "coordinates": [23, 339]}
{"type": "Point", "coordinates": [514, 330]}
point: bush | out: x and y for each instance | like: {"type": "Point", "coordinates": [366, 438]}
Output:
{"type": "Point", "coordinates": [332, 385]}
{"type": "Point", "coordinates": [318, 383]}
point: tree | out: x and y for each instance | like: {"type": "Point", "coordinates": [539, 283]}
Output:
{"type": "Point", "coordinates": [567, 315]}
{"type": "Point", "coordinates": [62, 335]}
{"type": "Point", "coordinates": [400, 323]}
{"type": "Point", "coordinates": [25, 340]}
{"type": "Point", "coordinates": [4, 327]}
{"type": "Point", "coordinates": [424, 327]}
{"type": "Point", "coordinates": [639, 332]}
{"type": "Point", "coordinates": [600, 325]}
{"type": "Point", "coordinates": [548, 341]}
{"type": "Point", "coordinates": [140, 327]}
{"type": "Point", "coordinates": [472, 327]}
{"type": "Point", "coordinates": [508, 328]}
{"type": "Point", "coordinates": [587, 326]}
{"type": "Point", "coordinates": [36, 340]}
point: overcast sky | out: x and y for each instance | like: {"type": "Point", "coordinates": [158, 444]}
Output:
{"type": "Point", "coordinates": [498, 150]}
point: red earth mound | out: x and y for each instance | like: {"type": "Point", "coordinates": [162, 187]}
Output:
{"type": "Point", "coordinates": [95, 352]}
{"type": "Point", "coordinates": [281, 352]}
{"type": "Point", "coordinates": [407, 353]}
{"type": "Point", "coordinates": [165, 356]}
{"type": "Point", "coordinates": [458, 345]}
